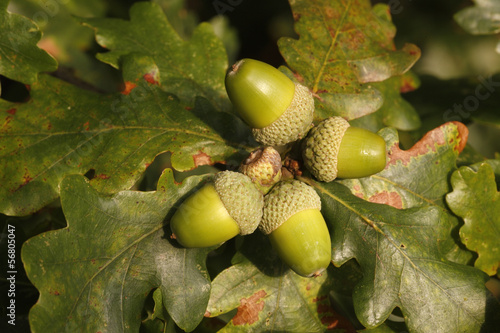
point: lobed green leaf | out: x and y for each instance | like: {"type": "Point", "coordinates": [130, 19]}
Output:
{"type": "Point", "coordinates": [343, 48]}
{"type": "Point", "coordinates": [270, 297]}
{"type": "Point", "coordinates": [475, 198]}
{"type": "Point", "coordinates": [398, 251]}
{"type": "Point", "coordinates": [63, 129]}
{"type": "Point", "coordinates": [95, 274]}
{"type": "Point", "coordinates": [189, 68]}
{"type": "Point", "coordinates": [20, 58]}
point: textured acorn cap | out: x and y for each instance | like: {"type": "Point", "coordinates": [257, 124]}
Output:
{"type": "Point", "coordinates": [263, 166]}
{"type": "Point", "coordinates": [241, 198]}
{"type": "Point", "coordinates": [293, 124]}
{"type": "Point", "coordinates": [321, 148]}
{"type": "Point", "coordinates": [285, 200]}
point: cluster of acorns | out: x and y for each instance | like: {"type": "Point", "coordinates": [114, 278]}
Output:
{"type": "Point", "coordinates": [279, 112]}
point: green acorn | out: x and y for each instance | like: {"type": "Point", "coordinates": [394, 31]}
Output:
{"type": "Point", "coordinates": [220, 210]}
{"type": "Point", "coordinates": [296, 228]}
{"type": "Point", "coordinates": [263, 166]}
{"type": "Point", "coordinates": [335, 149]}
{"type": "Point", "coordinates": [278, 110]}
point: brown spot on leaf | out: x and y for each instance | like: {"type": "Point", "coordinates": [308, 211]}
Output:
{"type": "Point", "coordinates": [8, 119]}
{"type": "Point", "coordinates": [249, 309]}
{"type": "Point", "coordinates": [150, 78]}
{"type": "Point", "coordinates": [389, 198]}
{"type": "Point", "coordinates": [26, 178]}
{"type": "Point", "coordinates": [12, 111]}
{"type": "Point", "coordinates": [129, 86]}
{"type": "Point", "coordinates": [359, 195]}
{"type": "Point", "coordinates": [202, 159]}
{"type": "Point", "coordinates": [329, 12]}
{"type": "Point", "coordinates": [428, 144]}
{"type": "Point", "coordinates": [357, 191]}
{"type": "Point", "coordinates": [102, 176]}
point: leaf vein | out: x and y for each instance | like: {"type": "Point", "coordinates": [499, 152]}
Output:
{"type": "Point", "coordinates": [331, 48]}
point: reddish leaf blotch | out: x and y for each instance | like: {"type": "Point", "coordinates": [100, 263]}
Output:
{"type": "Point", "coordinates": [86, 126]}
{"type": "Point", "coordinates": [26, 178]}
{"type": "Point", "coordinates": [150, 78]}
{"type": "Point", "coordinates": [129, 86]}
{"type": "Point", "coordinates": [202, 159]}
{"type": "Point", "coordinates": [389, 198]}
{"type": "Point", "coordinates": [249, 309]}
{"type": "Point", "coordinates": [428, 144]}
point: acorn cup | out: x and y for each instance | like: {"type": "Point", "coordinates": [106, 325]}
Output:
{"type": "Point", "coordinates": [296, 228]}
{"type": "Point", "coordinates": [263, 166]}
{"type": "Point", "coordinates": [335, 149]}
{"type": "Point", "coordinates": [217, 212]}
{"type": "Point", "coordinates": [278, 110]}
